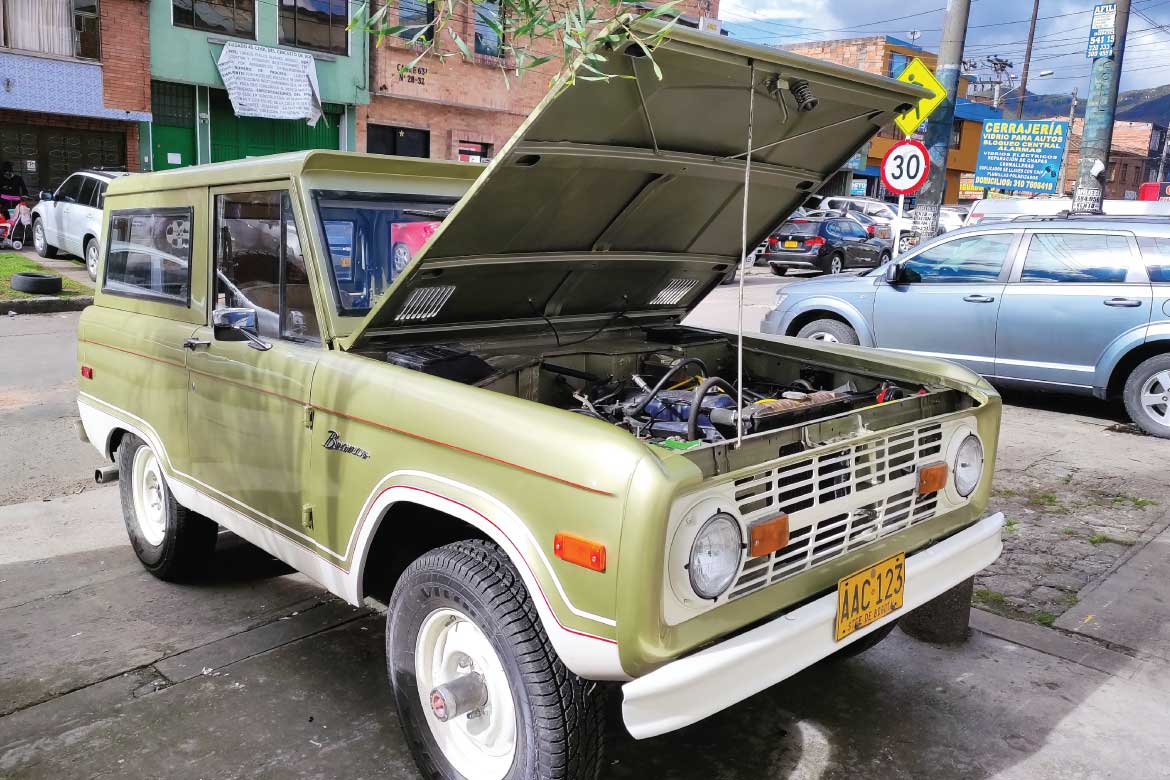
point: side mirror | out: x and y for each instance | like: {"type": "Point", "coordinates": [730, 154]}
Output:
{"type": "Point", "coordinates": [237, 325]}
{"type": "Point", "coordinates": [893, 273]}
{"type": "Point", "coordinates": [45, 195]}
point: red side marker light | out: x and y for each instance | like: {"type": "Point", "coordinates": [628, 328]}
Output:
{"type": "Point", "coordinates": [932, 478]}
{"type": "Point", "coordinates": [582, 552]}
{"type": "Point", "coordinates": [86, 372]}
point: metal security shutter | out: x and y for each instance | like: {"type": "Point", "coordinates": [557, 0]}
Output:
{"type": "Point", "coordinates": [173, 129]}
{"type": "Point", "coordinates": [45, 156]}
{"type": "Point", "coordinates": [236, 137]}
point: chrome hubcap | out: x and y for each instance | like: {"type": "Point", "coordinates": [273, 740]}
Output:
{"type": "Point", "coordinates": [39, 237]}
{"type": "Point", "coordinates": [91, 258]}
{"type": "Point", "coordinates": [822, 336]}
{"type": "Point", "coordinates": [149, 505]}
{"type": "Point", "coordinates": [836, 266]}
{"type": "Point", "coordinates": [1156, 397]}
{"type": "Point", "coordinates": [450, 650]}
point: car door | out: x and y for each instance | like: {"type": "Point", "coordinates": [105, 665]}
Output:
{"type": "Point", "coordinates": [1073, 294]}
{"type": "Point", "coordinates": [248, 407]}
{"type": "Point", "coordinates": [862, 251]}
{"type": "Point", "coordinates": [947, 299]}
{"type": "Point", "coordinates": [56, 211]}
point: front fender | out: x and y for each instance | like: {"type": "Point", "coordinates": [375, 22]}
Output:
{"type": "Point", "coordinates": [1122, 346]}
{"type": "Point", "coordinates": [834, 306]}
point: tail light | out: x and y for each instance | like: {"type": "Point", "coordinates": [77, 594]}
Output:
{"type": "Point", "coordinates": [815, 241]}
{"type": "Point", "coordinates": [869, 229]}
{"type": "Point", "coordinates": [773, 240]}
{"type": "Point", "coordinates": [975, 218]}
{"type": "Point", "coordinates": [799, 221]}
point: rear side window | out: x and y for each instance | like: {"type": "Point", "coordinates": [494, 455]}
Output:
{"type": "Point", "coordinates": [1085, 258]}
{"type": "Point", "coordinates": [1156, 252]}
{"type": "Point", "coordinates": [88, 190]}
{"type": "Point", "coordinates": [148, 254]}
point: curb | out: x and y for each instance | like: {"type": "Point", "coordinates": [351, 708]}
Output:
{"type": "Point", "coordinates": [45, 305]}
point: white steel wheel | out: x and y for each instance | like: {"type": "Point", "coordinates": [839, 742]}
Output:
{"type": "Point", "coordinates": [39, 237]}
{"type": "Point", "coordinates": [146, 483]}
{"type": "Point", "coordinates": [481, 745]}
{"type": "Point", "coordinates": [91, 258]}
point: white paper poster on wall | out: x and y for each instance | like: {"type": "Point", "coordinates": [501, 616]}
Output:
{"type": "Point", "coordinates": [270, 83]}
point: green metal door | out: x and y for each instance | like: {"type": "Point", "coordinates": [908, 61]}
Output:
{"type": "Point", "coordinates": [236, 137]}
{"type": "Point", "coordinates": [172, 131]}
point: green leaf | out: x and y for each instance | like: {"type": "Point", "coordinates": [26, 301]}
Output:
{"type": "Point", "coordinates": [459, 42]}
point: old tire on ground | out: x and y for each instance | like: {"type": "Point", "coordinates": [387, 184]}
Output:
{"type": "Point", "coordinates": [43, 247]}
{"type": "Point", "coordinates": [172, 542]}
{"type": "Point", "coordinates": [779, 271]}
{"type": "Point", "coordinates": [1147, 396]}
{"type": "Point", "coordinates": [36, 283]}
{"type": "Point", "coordinates": [832, 331]}
{"type": "Point", "coordinates": [863, 644]}
{"type": "Point", "coordinates": [91, 258]}
{"type": "Point", "coordinates": [460, 610]}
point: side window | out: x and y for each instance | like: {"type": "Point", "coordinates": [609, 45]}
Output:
{"type": "Point", "coordinates": [100, 200]}
{"type": "Point", "coordinates": [70, 191]}
{"type": "Point", "coordinates": [259, 264]}
{"type": "Point", "coordinates": [1156, 253]}
{"type": "Point", "coordinates": [833, 228]}
{"type": "Point", "coordinates": [970, 259]}
{"type": "Point", "coordinates": [88, 190]}
{"type": "Point", "coordinates": [1076, 258]}
{"type": "Point", "coordinates": [141, 262]}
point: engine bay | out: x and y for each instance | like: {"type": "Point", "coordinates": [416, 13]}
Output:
{"type": "Point", "coordinates": [671, 387]}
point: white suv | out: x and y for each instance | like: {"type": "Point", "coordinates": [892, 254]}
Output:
{"type": "Point", "coordinates": [877, 210]}
{"type": "Point", "coordinates": [70, 219]}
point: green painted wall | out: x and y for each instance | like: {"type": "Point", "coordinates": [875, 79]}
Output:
{"type": "Point", "coordinates": [184, 55]}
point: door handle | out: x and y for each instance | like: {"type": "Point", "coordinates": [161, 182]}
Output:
{"type": "Point", "coordinates": [194, 344]}
{"type": "Point", "coordinates": [1128, 303]}
{"type": "Point", "coordinates": [978, 298]}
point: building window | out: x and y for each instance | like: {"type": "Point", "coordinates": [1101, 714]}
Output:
{"type": "Point", "coordinates": [487, 39]}
{"type": "Point", "coordinates": [228, 17]}
{"type": "Point", "coordinates": [401, 141]}
{"type": "Point", "coordinates": [315, 24]}
{"type": "Point", "coordinates": [470, 151]}
{"type": "Point", "coordinates": [66, 28]}
{"type": "Point", "coordinates": [415, 16]}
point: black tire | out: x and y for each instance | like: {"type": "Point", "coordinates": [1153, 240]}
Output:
{"type": "Point", "coordinates": [43, 247]}
{"type": "Point", "coordinates": [36, 283]}
{"type": "Point", "coordinates": [863, 644]}
{"type": "Point", "coordinates": [559, 716]}
{"type": "Point", "coordinates": [90, 255]}
{"type": "Point", "coordinates": [884, 258]}
{"type": "Point", "coordinates": [834, 260]}
{"type": "Point", "coordinates": [829, 330]}
{"type": "Point", "coordinates": [1154, 419]}
{"type": "Point", "coordinates": [189, 539]}
{"type": "Point", "coordinates": [781, 271]}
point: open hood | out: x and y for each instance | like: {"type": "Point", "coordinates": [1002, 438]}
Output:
{"type": "Point", "coordinates": [626, 196]}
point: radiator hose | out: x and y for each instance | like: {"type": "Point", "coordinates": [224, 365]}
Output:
{"type": "Point", "coordinates": [697, 403]}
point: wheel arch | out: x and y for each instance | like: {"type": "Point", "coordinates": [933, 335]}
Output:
{"type": "Point", "coordinates": [822, 310]}
{"type": "Point", "coordinates": [1130, 360]}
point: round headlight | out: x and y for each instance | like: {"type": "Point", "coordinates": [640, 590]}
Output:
{"type": "Point", "coordinates": [715, 555]}
{"type": "Point", "coordinates": [968, 465]}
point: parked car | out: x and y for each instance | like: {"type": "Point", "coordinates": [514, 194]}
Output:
{"type": "Point", "coordinates": [875, 209]}
{"type": "Point", "coordinates": [1006, 209]}
{"type": "Point", "coordinates": [70, 219]}
{"type": "Point", "coordinates": [1075, 304]}
{"type": "Point", "coordinates": [828, 245]}
{"type": "Point", "coordinates": [876, 229]}
{"type": "Point", "coordinates": [517, 450]}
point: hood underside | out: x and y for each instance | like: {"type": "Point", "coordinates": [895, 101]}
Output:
{"type": "Point", "coordinates": [626, 196]}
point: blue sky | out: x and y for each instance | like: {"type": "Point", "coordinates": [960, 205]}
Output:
{"type": "Point", "coordinates": [996, 27]}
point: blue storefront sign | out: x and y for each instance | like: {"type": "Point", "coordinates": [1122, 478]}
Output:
{"type": "Point", "coordinates": [1021, 155]}
{"type": "Point", "coordinates": [1101, 31]}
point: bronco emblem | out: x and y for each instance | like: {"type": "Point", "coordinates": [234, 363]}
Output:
{"type": "Point", "coordinates": [334, 442]}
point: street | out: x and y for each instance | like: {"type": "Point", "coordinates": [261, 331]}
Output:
{"type": "Point", "coordinates": [257, 672]}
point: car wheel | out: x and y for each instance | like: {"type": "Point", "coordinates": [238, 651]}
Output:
{"type": "Point", "coordinates": [904, 244]}
{"type": "Point", "coordinates": [91, 258]}
{"type": "Point", "coordinates": [1147, 396]}
{"type": "Point", "coordinates": [481, 694]}
{"type": "Point", "coordinates": [884, 258]}
{"type": "Point", "coordinates": [35, 283]}
{"type": "Point", "coordinates": [400, 257]}
{"type": "Point", "coordinates": [835, 265]}
{"type": "Point", "coordinates": [43, 247]}
{"type": "Point", "coordinates": [172, 542]}
{"type": "Point", "coordinates": [865, 643]}
{"type": "Point", "coordinates": [781, 271]}
{"type": "Point", "coordinates": [831, 331]}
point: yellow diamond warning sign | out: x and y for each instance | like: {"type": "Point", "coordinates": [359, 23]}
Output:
{"type": "Point", "coordinates": [917, 73]}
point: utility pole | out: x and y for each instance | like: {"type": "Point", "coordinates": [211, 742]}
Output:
{"type": "Point", "coordinates": [1162, 159]}
{"type": "Point", "coordinates": [1027, 61]}
{"type": "Point", "coordinates": [941, 123]}
{"type": "Point", "coordinates": [1101, 105]}
{"type": "Point", "coordinates": [1072, 116]}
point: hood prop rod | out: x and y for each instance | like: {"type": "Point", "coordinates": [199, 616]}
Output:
{"type": "Point", "coordinates": [747, 176]}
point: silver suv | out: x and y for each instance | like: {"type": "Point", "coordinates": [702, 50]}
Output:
{"type": "Point", "coordinates": [1069, 304]}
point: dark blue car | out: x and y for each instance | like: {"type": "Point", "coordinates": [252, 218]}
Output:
{"type": "Point", "coordinates": [830, 245]}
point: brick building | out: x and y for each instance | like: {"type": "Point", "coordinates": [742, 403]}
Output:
{"type": "Point", "coordinates": [1133, 157]}
{"type": "Point", "coordinates": [888, 56]}
{"type": "Point", "coordinates": [457, 109]}
{"type": "Point", "coordinates": [76, 85]}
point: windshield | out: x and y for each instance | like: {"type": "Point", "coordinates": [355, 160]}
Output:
{"type": "Point", "coordinates": [371, 237]}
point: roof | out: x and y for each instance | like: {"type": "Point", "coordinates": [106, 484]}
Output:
{"type": "Point", "coordinates": [966, 108]}
{"type": "Point", "coordinates": [290, 165]}
{"type": "Point", "coordinates": [104, 174]}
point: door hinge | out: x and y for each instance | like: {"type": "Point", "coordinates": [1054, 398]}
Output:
{"type": "Point", "coordinates": [307, 517]}
{"type": "Point", "coordinates": [309, 417]}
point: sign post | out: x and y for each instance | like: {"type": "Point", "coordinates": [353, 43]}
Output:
{"type": "Point", "coordinates": [905, 168]}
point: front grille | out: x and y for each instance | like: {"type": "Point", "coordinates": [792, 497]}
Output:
{"type": "Point", "coordinates": [816, 494]}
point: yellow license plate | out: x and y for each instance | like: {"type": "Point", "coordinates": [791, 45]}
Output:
{"type": "Point", "coordinates": [869, 595]}
{"type": "Point", "coordinates": [790, 245]}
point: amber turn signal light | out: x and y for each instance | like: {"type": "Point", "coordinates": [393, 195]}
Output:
{"type": "Point", "coordinates": [582, 552]}
{"type": "Point", "coordinates": [932, 478]}
{"type": "Point", "coordinates": [768, 536]}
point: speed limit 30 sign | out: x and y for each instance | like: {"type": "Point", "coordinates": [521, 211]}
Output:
{"type": "Point", "coordinates": [905, 167]}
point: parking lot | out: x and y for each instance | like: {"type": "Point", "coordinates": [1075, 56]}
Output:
{"type": "Point", "coordinates": [257, 672]}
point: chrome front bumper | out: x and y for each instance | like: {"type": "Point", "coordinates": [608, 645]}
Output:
{"type": "Point", "coordinates": [692, 688]}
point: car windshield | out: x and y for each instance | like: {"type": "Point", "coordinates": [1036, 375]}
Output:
{"type": "Point", "coordinates": [371, 237]}
{"type": "Point", "coordinates": [800, 228]}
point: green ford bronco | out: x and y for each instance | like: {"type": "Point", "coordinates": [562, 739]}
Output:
{"type": "Point", "coordinates": [465, 394]}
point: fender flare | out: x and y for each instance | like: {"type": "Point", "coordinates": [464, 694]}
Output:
{"type": "Point", "coordinates": [835, 307]}
{"type": "Point", "coordinates": [1122, 346]}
